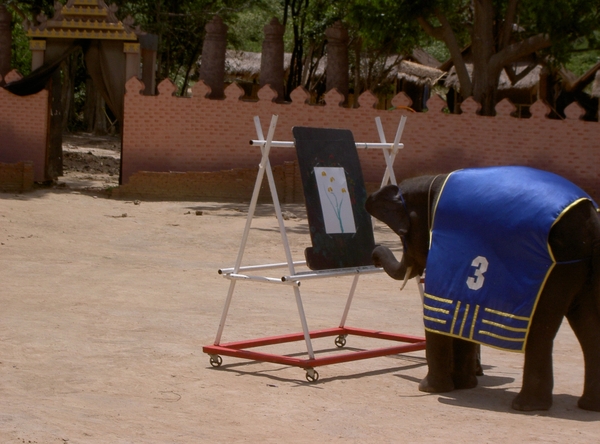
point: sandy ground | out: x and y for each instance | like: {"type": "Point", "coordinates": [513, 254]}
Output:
{"type": "Point", "coordinates": [106, 304]}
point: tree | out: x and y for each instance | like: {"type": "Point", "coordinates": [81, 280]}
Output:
{"type": "Point", "coordinates": [5, 40]}
{"type": "Point", "coordinates": [497, 34]}
{"type": "Point", "coordinates": [180, 25]}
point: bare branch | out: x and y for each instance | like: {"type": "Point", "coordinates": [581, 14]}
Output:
{"type": "Point", "coordinates": [445, 34]}
{"type": "Point", "coordinates": [514, 52]}
{"type": "Point", "coordinates": [431, 30]}
{"type": "Point", "coordinates": [509, 21]}
{"type": "Point", "coordinates": [514, 77]}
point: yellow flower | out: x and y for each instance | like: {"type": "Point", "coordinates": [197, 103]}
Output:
{"type": "Point", "coordinates": [330, 189]}
{"type": "Point", "coordinates": [323, 173]}
{"type": "Point", "coordinates": [332, 179]}
{"type": "Point", "coordinates": [343, 190]}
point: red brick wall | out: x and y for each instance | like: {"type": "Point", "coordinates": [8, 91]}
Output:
{"type": "Point", "coordinates": [236, 184]}
{"type": "Point", "coordinates": [23, 128]}
{"type": "Point", "coordinates": [165, 133]}
{"type": "Point", "coordinates": [16, 177]}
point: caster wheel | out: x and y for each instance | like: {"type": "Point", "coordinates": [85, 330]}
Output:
{"type": "Point", "coordinates": [340, 341]}
{"type": "Point", "coordinates": [312, 375]}
{"type": "Point", "coordinates": [216, 361]}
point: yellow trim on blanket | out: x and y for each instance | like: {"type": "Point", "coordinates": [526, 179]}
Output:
{"type": "Point", "coordinates": [455, 316]}
{"type": "Point", "coordinates": [435, 208]}
{"type": "Point", "coordinates": [474, 320]}
{"type": "Point", "coordinates": [439, 321]}
{"type": "Point", "coordinates": [559, 217]}
{"type": "Point", "coordinates": [487, 333]}
{"type": "Point", "coordinates": [521, 350]}
{"type": "Point", "coordinates": [496, 324]}
{"type": "Point", "coordinates": [437, 298]}
{"type": "Point", "coordinates": [507, 315]}
{"type": "Point", "coordinates": [438, 310]}
{"type": "Point", "coordinates": [462, 326]}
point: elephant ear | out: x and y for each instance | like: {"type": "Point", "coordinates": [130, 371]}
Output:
{"type": "Point", "coordinates": [387, 206]}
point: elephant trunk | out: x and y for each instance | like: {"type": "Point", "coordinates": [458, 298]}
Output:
{"type": "Point", "coordinates": [403, 270]}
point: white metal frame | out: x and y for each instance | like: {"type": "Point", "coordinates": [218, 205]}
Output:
{"type": "Point", "coordinates": [293, 277]}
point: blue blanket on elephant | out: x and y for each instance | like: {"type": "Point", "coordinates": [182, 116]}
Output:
{"type": "Point", "coordinates": [489, 254]}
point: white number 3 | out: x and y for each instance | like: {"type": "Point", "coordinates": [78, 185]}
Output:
{"type": "Point", "coordinates": [481, 265]}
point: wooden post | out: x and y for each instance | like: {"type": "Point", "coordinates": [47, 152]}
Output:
{"type": "Point", "coordinates": [212, 66]}
{"type": "Point", "coordinates": [337, 59]}
{"type": "Point", "coordinates": [149, 46]}
{"type": "Point", "coordinates": [271, 62]}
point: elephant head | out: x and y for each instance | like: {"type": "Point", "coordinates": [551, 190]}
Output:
{"type": "Point", "coordinates": [406, 209]}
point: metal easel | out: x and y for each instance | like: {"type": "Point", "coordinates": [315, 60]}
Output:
{"type": "Point", "coordinates": [292, 278]}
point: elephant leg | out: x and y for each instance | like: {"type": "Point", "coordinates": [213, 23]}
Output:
{"type": "Point", "coordinates": [438, 350]}
{"type": "Point", "coordinates": [464, 362]}
{"type": "Point", "coordinates": [538, 380]}
{"type": "Point", "coordinates": [584, 319]}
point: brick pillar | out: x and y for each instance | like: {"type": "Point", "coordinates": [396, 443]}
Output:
{"type": "Point", "coordinates": [212, 66]}
{"type": "Point", "coordinates": [337, 59]}
{"type": "Point", "coordinates": [132, 60]}
{"type": "Point", "coordinates": [271, 62]}
{"type": "Point", "coordinates": [5, 36]}
{"type": "Point", "coordinates": [38, 49]}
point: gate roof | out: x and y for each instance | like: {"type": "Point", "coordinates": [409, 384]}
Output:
{"type": "Point", "coordinates": [84, 19]}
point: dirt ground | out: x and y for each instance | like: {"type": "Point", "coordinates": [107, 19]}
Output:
{"type": "Point", "coordinates": [106, 304]}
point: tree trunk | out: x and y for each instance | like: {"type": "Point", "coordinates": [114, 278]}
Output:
{"type": "Point", "coordinates": [295, 75]}
{"type": "Point", "coordinates": [5, 41]}
{"type": "Point", "coordinates": [485, 76]}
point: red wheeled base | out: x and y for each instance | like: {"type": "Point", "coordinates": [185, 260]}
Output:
{"type": "Point", "coordinates": [238, 349]}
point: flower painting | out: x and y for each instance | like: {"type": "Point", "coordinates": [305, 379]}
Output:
{"type": "Point", "coordinates": [335, 200]}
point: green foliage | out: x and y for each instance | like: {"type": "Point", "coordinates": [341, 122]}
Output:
{"type": "Point", "coordinates": [20, 55]}
{"type": "Point", "coordinates": [377, 28]}
{"type": "Point", "coordinates": [22, 10]}
{"type": "Point", "coordinates": [566, 21]}
{"type": "Point", "coordinates": [246, 30]}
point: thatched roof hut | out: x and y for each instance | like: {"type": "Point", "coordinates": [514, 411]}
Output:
{"type": "Point", "coordinates": [529, 81]}
{"type": "Point", "coordinates": [415, 79]}
{"type": "Point", "coordinates": [244, 65]}
{"type": "Point", "coordinates": [417, 73]}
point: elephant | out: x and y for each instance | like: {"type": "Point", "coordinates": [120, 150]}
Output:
{"type": "Point", "coordinates": [570, 286]}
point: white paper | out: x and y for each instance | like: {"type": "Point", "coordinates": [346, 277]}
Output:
{"type": "Point", "coordinates": [335, 200]}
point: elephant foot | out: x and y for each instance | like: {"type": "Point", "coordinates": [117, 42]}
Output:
{"type": "Point", "coordinates": [436, 385]}
{"type": "Point", "coordinates": [589, 403]}
{"type": "Point", "coordinates": [462, 382]}
{"type": "Point", "coordinates": [525, 403]}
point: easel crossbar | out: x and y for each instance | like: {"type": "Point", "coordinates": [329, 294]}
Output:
{"type": "Point", "coordinates": [239, 349]}
{"type": "Point", "coordinates": [359, 145]}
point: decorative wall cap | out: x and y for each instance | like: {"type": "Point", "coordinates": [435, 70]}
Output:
{"type": "Point", "coordinates": [66, 34]}
{"type": "Point", "coordinates": [131, 48]}
{"type": "Point", "coordinates": [13, 76]}
{"type": "Point", "coordinates": [470, 106]}
{"type": "Point", "coordinates": [436, 104]}
{"type": "Point", "coordinates": [574, 111]}
{"type": "Point", "coordinates": [267, 93]}
{"type": "Point", "coordinates": [367, 100]}
{"type": "Point", "coordinates": [505, 108]}
{"type": "Point", "coordinates": [37, 45]}
{"type": "Point", "coordinates": [299, 95]}
{"type": "Point", "coordinates": [401, 102]}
